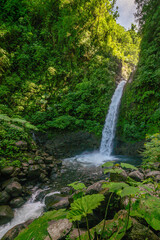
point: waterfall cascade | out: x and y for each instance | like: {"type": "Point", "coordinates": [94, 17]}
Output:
{"type": "Point", "coordinates": [109, 130]}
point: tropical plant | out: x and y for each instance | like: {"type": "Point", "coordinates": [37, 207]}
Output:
{"type": "Point", "coordinates": [83, 206]}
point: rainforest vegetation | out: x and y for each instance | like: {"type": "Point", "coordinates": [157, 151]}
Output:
{"type": "Point", "coordinates": [60, 62]}
{"type": "Point", "coordinates": [140, 108]}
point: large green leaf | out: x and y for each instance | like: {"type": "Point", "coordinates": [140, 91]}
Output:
{"type": "Point", "coordinates": [116, 170]}
{"type": "Point", "coordinates": [115, 186]}
{"type": "Point", "coordinates": [108, 164]}
{"type": "Point", "coordinates": [129, 191]}
{"type": "Point", "coordinates": [83, 206]}
{"type": "Point", "coordinates": [77, 185]}
{"type": "Point", "coordinates": [127, 165]}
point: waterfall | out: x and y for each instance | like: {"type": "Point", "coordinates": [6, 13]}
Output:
{"type": "Point", "coordinates": [109, 129]}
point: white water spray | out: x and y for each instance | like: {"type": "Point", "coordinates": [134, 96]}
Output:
{"type": "Point", "coordinates": [109, 130]}
{"type": "Point", "coordinates": [30, 210]}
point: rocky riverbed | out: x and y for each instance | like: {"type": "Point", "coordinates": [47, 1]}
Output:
{"type": "Point", "coordinates": [59, 203]}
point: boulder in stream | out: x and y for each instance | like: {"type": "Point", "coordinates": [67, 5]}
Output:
{"type": "Point", "coordinates": [17, 202]}
{"type": "Point", "coordinates": [6, 214]}
{"type": "Point", "coordinates": [4, 197]}
{"type": "Point", "coordinates": [63, 203]}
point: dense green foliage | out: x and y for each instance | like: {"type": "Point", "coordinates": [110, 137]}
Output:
{"type": "Point", "coordinates": [13, 130]}
{"type": "Point", "coordinates": [140, 108]}
{"type": "Point", "coordinates": [151, 153]}
{"type": "Point", "coordinates": [59, 60]}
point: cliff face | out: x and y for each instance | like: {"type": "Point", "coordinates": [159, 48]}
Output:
{"type": "Point", "coordinates": [140, 107]}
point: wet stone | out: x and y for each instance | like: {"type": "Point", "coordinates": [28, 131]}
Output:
{"type": "Point", "coordinates": [136, 175]}
{"type": "Point", "coordinates": [14, 189]}
{"type": "Point", "coordinates": [6, 214]}
{"type": "Point", "coordinates": [59, 229]}
{"type": "Point", "coordinates": [17, 202]}
{"type": "Point", "coordinates": [7, 171]}
{"type": "Point", "coordinates": [4, 197]}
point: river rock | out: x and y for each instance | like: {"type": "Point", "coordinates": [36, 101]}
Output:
{"type": "Point", "coordinates": [9, 181]}
{"type": "Point", "coordinates": [66, 190]}
{"type": "Point", "coordinates": [59, 229]}
{"type": "Point", "coordinates": [14, 189]}
{"type": "Point", "coordinates": [140, 232]}
{"type": "Point", "coordinates": [95, 188]}
{"type": "Point", "coordinates": [51, 199]}
{"type": "Point", "coordinates": [63, 203]}
{"type": "Point", "coordinates": [47, 238]}
{"type": "Point", "coordinates": [4, 197]}
{"type": "Point", "coordinates": [48, 159]}
{"type": "Point", "coordinates": [43, 177]}
{"type": "Point", "coordinates": [13, 232]}
{"type": "Point", "coordinates": [17, 202]}
{"type": "Point", "coordinates": [7, 171]}
{"type": "Point", "coordinates": [118, 177]}
{"type": "Point", "coordinates": [152, 174]}
{"type": "Point", "coordinates": [33, 171]}
{"type": "Point", "coordinates": [136, 175]}
{"type": "Point", "coordinates": [74, 233]}
{"type": "Point", "coordinates": [6, 214]}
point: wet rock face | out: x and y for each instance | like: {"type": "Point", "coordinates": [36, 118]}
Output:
{"type": "Point", "coordinates": [67, 144]}
{"type": "Point", "coordinates": [126, 148]}
{"type": "Point", "coordinates": [6, 214]}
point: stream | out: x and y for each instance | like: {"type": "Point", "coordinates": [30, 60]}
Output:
{"type": "Point", "coordinates": [85, 167]}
